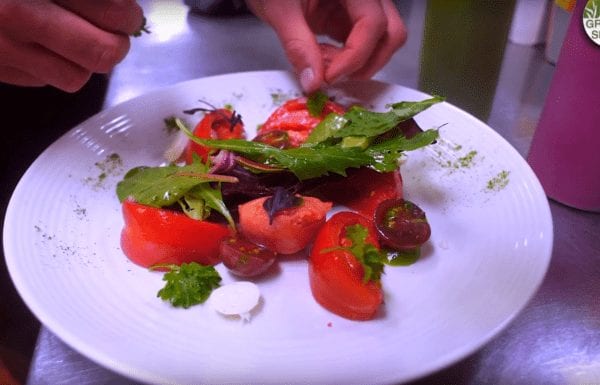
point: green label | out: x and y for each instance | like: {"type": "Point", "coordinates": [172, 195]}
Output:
{"type": "Point", "coordinates": [591, 20]}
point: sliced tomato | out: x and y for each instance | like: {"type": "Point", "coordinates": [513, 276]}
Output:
{"type": "Point", "coordinates": [218, 124]}
{"type": "Point", "coordinates": [363, 189]}
{"type": "Point", "coordinates": [294, 118]}
{"type": "Point", "coordinates": [336, 276]}
{"type": "Point", "coordinates": [290, 231]}
{"type": "Point", "coordinates": [152, 235]}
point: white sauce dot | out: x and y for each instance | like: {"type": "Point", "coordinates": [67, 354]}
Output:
{"type": "Point", "coordinates": [237, 298]}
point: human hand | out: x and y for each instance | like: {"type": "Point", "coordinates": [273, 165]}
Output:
{"type": "Point", "coordinates": [370, 32]}
{"type": "Point", "coordinates": [62, 42]}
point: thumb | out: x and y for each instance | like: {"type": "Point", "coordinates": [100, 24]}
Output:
{"type": "Point", "coordinates": [298, 41]}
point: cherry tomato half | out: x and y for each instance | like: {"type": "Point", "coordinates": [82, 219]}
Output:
{"type": "Point", "coordinates": [218, 124]}
{"type": "Point", "coordinates": [244, 258]}
{"type": "Point", "coordinates": [336, 276]}
{"type": "Point", "coordinates": [401, 224]}
{"type": "Point", "coordinates": [152, 235]}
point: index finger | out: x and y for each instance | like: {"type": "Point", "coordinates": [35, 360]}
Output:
{"type": "Point", "coordinates": [392, 40]}
{"type": "Point", "coordinates": [369, 25]}
{"type": "Point", "coordinates": [119, 16]}
{"type": "Point", "coordinates": [299, 42]}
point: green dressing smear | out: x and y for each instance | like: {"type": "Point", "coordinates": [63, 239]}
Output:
{"type": "Point", "coordinates": [498, 182]}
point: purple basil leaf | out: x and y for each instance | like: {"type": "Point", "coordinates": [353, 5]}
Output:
{"type": "Point", "coordinates": [281, 199]}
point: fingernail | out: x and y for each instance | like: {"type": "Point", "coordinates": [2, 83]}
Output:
{"type": "Point", "coordinates": [307, 77]}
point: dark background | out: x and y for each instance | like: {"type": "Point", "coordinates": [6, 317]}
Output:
{"type": "Point", "coordinates": [31, 120]}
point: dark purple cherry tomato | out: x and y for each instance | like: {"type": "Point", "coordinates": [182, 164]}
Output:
{"type": "Point", "coordinates": [244, 258]}
{"type": "Point", "coordinates": [401, 224]}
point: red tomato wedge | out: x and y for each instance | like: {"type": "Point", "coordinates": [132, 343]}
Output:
{"type": "Point", "coordinates": [363, 189]}
{"type": "Point", "coordinates": [152, 235]}
{"type": "Point", "coordinates": [294, 118]}
{"type": "Point", "coordinates": [336, 276]}
{"type": "Point", "coordinates": [292, 229]}
{"type": "Point", "coordinates": [218, 124]}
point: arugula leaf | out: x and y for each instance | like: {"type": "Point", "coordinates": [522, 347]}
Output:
{"type": "Point", "coordinates": [407, 110]}
{"type": "Point", "coordinates": [402, 143]}
{"type": "Point", "coordinates": [312, 162]}
{"type": "Point", "coordinates": [367, 123]}
{"type": "Point", "coordinates": [189, 284]}
{"type": "Point", "coordinates": [316, 103]}
{"type": "Point", "coordinates": [305, 161]}
{"type": "Point", "coordinates": [194, 208]}
{"type": "Point", "coordinates": [213, 198]}
{"type": "Point", "coordinates": [386, 153]}
{"type": "Point", "coordinates": [308, 161]}
{"type": "Point", "coordinates": [164, 186]}
{"type": "Point", "coordinates": [327, 128]}
{"type": "Point", "coordinates": [361, 122]}
{"type": "Point", "coordinates": [325, 153]}
{"type": "Point", "coordinates": [372, 259]}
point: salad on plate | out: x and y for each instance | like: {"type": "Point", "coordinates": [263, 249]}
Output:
{"type": "Point", "coordinates": [320, 181]}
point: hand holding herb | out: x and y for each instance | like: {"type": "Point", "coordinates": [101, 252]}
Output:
{"type": "Point", "coordinates": [368, 32]}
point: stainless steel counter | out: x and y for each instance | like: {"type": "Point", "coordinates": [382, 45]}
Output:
{"type": "Point", "coordinates": [555, 340]}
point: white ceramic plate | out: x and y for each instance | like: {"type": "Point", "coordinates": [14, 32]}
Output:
{"type": "Point", "coordinates": [488, 253]}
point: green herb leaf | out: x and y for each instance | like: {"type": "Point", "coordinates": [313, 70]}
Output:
{"type": "Point", "coordinates": [313, 161]}
{"type": "Point", "coordinates": [372, 259]}
{"type": "Point", "coordinates": [361, 122]}
{"type": "Point", "coordinates": [367, 123]}
{"type": "Point", "coordinates": [164, 186]}
{"type": "Point", "coordinates": [212, 198]}
{"type": "Point", "coordinates": [305, 162]}
{"type": "Point", "coordinates": [143, 28]}
{"type": "Point", "coordinates": [316, 103]}
{"type": "Point", "coordinates": [327, 128]}
{"type": "Point", "coordinates": [385, 154]}
{"type": "Point", "coordinates": [309, 161]}
{"type": "Point", "coordinates": [189, 284]}
{"type": "Point", "coordinates": [194, 208]}
{"type": "Point", "coordinates": [326, 152]}
{"type": "Point", "coordinates": [406, 110]}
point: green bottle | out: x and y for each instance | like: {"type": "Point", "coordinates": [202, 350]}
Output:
{"type": "Point", "coordinates": [462, 51]}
